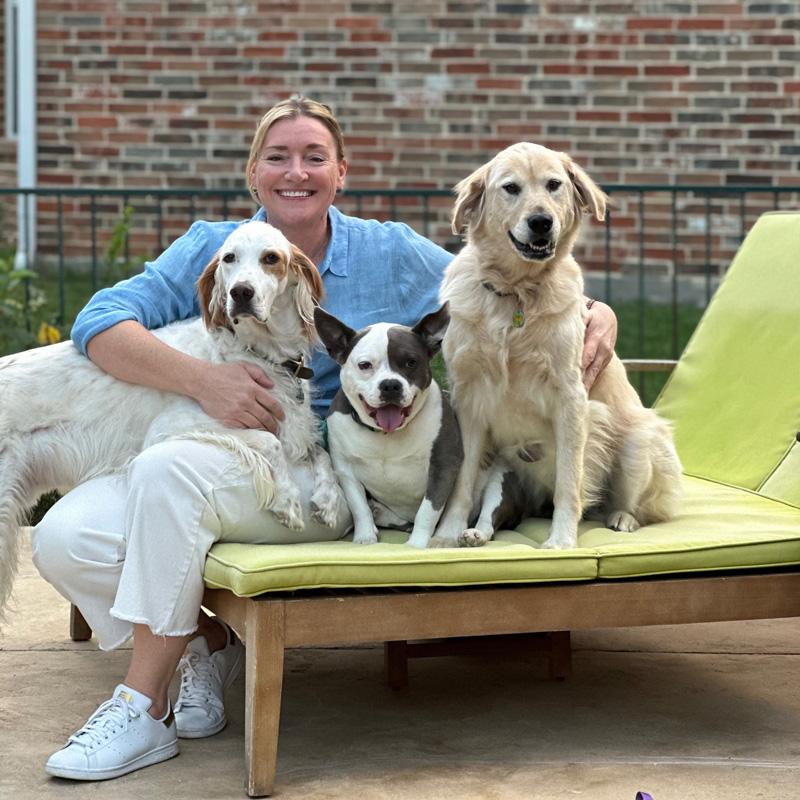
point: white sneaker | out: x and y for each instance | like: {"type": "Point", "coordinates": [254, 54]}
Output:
{"type": "Point", "coordinates": [119, 737]}
{"type": "Point", "coordinates": [200, 710]}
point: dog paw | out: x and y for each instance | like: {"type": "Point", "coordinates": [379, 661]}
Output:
{"type": "Point", "coordinates": [441, 542]}
{"type": "Point", "coordinates": [288, 509]}
{"type": "Point", "coordinates": [559, 543]}
{"type": "Point", "coordinates": [365, 536]}
{"type": "Point", "coordinates": [472, 537]}
{"type": "Point", "coordinates": [622, 521]}
{"type": "Point", "coordinates": [326, 503]}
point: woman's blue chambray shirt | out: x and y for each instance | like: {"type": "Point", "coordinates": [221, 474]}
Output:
{"type": "Point", "coordinates": [372, 272]}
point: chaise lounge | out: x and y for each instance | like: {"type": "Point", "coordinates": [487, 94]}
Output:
{"type": "Point", "coordinates": [733, 554]}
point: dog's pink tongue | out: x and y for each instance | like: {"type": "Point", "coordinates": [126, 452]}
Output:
{"type": "Point", "coordinates": [389, 417]}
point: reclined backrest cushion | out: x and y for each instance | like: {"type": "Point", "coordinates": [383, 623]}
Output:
{"type": "Point", "coordinates": [734, 397]}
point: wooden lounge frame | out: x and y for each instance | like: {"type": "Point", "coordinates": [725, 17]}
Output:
{"type": "Point", "coordinates": [270, 623]}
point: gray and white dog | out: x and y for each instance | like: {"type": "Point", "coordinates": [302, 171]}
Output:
{"type": "Point", "coordinates": [393, 437]}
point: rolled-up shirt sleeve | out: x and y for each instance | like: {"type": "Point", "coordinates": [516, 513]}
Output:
{"type": "Point", "coordinates": [165, 292]}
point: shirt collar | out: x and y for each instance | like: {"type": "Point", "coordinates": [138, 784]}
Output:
{"type": "Point", "coordinates": [336, 255]}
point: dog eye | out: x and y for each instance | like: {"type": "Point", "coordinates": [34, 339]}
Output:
{"type": "Point", "coordinates": [364, 365]}
{"type": "Point", "coordinates": [553, 184]}
{"type": "Point", "coordinates": [512, 188]}
{"type": "Point", "coordinates": [271, 258]}
{"type": "Point", "coordinates": [229, 258]}
{"type": "Point", "coordinates": [411, 362]}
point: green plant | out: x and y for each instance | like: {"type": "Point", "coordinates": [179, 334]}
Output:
{"type": "Point", "coordinates": [22, 323]}
{"type": "Point", "coordinates": [117, 264]}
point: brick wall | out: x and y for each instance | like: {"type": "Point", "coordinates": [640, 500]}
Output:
{"type": "Point", "coordinates": [143, 93]}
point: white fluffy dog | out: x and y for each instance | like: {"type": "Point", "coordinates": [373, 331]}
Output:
{"type": "Point", "coordinates": [63, 420]}
{"type": "Point", "coordinates": [513, 354]}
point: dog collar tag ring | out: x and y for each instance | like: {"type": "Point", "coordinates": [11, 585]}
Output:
{"type": "Point", "coordinates": [518, 320]}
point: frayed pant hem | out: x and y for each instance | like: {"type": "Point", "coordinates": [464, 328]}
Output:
{"type": "Point", "coordinates": [156, 631]}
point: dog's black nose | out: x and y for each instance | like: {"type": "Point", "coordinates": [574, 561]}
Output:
{"type": "Point", "coordinates": [540, 223]}
{"type": "Point", "coordinates": [391, 390]}
{"type": "Point", "coordinates": [242, 293]}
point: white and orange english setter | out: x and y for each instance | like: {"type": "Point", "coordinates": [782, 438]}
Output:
{"type": "Point", "coordinates": [63, 420]}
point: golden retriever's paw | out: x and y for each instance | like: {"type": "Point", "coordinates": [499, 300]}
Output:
{"type": "Point", "coordinates": [472, 537]}
{"type": "Point", "coordinates": [622, 521]}
{"type": "Point", "coordinates": [560, 543]}
{"type": "Point", "coordinates": [441, 542]}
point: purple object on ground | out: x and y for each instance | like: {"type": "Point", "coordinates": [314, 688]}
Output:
{"type": "Point", "coordinates": [643, 796]}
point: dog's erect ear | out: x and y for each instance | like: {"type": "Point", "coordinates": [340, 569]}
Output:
{"type": "Point", "coordinates": [309, 291]}
{"type": "Point", "coordinates": [470, 194]}
{"type": "Point", "coordinates": [335, 335]}
{"type": "Point", "coordinates": [588, 195]}
{"type": "Point", "coordinates": [212, 298]}
{"type": "Point", "coordinates": [432, 328]}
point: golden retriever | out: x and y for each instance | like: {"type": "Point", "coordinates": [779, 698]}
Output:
{"type": "Point", "coordinates": [513, 355]}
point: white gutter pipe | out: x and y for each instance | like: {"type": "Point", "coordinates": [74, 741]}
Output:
{"type": "Point", "coordinates": [26, 131]}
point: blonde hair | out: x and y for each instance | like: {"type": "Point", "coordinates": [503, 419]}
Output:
{"type": "Point", "coordinates": [294, 107]}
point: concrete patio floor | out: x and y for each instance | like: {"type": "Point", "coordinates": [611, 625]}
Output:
{"type": "Point", "coordinates": [683, 712]}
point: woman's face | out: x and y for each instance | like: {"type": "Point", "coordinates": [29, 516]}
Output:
{"type": "Point", "coordinates": [297, 173]}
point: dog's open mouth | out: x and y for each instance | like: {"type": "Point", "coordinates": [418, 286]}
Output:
{"type": "Point", "coordinates": [388, 417]}
{"type": "Point", "coordinates": [537, 250]}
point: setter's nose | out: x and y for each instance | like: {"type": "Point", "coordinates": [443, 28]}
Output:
{"type": "Point", "coordinates": [242, 293]}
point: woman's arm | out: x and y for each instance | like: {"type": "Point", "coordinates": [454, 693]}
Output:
{"type": "Point", "coordinates": [599, 341]}
{"type": "Point", "coordinates": [234, 393]}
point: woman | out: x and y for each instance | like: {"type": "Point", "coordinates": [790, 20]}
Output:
{"type": "Point", "coordinates": [130, 552]}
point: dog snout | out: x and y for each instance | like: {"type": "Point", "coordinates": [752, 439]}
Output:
{"type": "Point", "coordinates": [242, 293]}
{"type": "Point", "coordinates": [540, 224]}
{"type": "Point", "coordinates": [391, 391]}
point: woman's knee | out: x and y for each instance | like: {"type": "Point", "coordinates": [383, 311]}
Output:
{"type": "Point", "coordinates": [86, 525]}
{"type": "Point", "coordinates": [177, 465]}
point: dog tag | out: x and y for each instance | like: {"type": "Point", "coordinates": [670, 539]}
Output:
{"type": "Point", "coordinates": [518, 320]}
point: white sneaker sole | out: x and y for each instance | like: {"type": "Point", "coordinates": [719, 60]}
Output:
{"type": "Point", "coordinates": [202, 733]}
{"type": "Point", "coordinates": [166, 751]}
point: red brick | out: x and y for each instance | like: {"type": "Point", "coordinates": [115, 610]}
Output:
{"type": "Point", "coordinates": [701, 24]}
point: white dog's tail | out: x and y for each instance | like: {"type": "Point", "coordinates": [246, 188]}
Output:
{"type": "Point", "coordinates": [16, 496]}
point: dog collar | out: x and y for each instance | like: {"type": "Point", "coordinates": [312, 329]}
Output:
{"type": "Point", "coordinates": [297, 368]}
{"type": "Point", "coordinates": [518, 317]}
{"type": "Point", "coordinates": [354, 415]}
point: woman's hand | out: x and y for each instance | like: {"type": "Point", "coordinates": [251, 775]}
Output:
{"type": "Point", "coordinates": [598, 342]}
{"type": "Point", "coordinates": [236, 393]}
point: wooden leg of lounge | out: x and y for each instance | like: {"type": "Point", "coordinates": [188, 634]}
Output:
{"type": "Point", "coordinates": [263, 686]}
{"type": "Point", "coordinates": [79, 630]}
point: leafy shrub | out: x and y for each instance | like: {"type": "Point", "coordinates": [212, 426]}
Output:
{"type": "Point", "coordinates": [22, 323]}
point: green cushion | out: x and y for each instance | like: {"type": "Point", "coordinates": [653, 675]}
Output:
{"type": "Point", "coordinates": [721, 528]}
{"type": "Point", "coordinates": [735, 403]}
{"type": "Point", "coordinates": [511, 558]}
{"type": "Point", "coordinates": [784, 482]}
{"type": "Point", "coordinates": [734, 397]}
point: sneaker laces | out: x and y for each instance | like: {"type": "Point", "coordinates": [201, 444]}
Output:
{"type": "Point", "coordinates": [200, 683]}
{"type": "Point", "coordinates": [105, 722]}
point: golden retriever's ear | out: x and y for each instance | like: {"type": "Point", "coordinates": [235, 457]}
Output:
{"type": "Point", "coordinates": [309, 292]}
{"type": "Point", "coordinates": [588, 195]}
{"type": "Point", "coordinates": [470, 194]}
{"type": "Point", "coordinates": [212, 297]}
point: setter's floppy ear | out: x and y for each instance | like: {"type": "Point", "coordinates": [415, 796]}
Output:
{"type": "Point", "coordinates": [309, 292]}
{"type": "Point", "coordinates": [212, 297]}
{"type": "Point", "coordinates": [470, 194]}
{"type": "Point", "coordinates": [588, 195]}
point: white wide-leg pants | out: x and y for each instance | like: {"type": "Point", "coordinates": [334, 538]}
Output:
{"type": "Point", "coordinates": [132, 548]}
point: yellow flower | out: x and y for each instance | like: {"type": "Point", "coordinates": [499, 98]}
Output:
{"type": "Point", "coordinates": [48, 334]}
